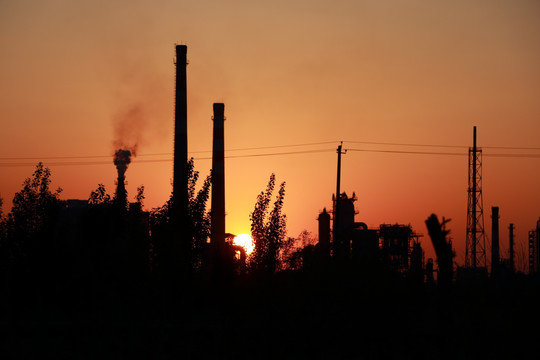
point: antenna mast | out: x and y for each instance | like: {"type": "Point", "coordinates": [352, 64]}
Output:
{"type": "Point", "coordinates": [475, 251]}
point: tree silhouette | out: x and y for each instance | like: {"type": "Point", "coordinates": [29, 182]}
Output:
{"type": "Point", "coordinates": [199, 217]}
{"type": "Point", "coordinates": [139, 198]}
{"type": "Point", "coordinates": [198, 226]}
{"type": "Point", "coordinates": [268, 229]}
{"type": "Point", "coordinates": [99, 196]}
{"type": "Point", "coordinates": [34, 210]}
{"type": "Point", "coordinates": [28, 237]}
{"type": "Point", "coordinates": [293, 250]}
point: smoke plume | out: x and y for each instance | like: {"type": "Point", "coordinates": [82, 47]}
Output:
{"type": "Point", "coordinates": [129, 125]}
{"type": "Point", "coordinates": [122, 158]}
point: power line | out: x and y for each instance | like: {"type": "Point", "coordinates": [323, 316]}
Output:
{"type": "Point", "coordinates": [272, 154]}
{"type": "Point", "coordinates": [135, 160]}
{"type": "Point", "coordinates": [408, 152]}
{"type": "Point", "coordinates": [20, 160]}
{"type": "Point", "coordinates": [509, 148]}
{"type": "Point", "coordinates": [404, 144]}
{"type": "Point", "coordinates": [441, 146]}
{"type": "Point", "coordinates": [514, 155]}
{"type": "Point", "coordinates": [270, 147]}
{"type": "Point", "coordinates": [446, 153]}
{"type": "Point", "coordinates": [163, 154]}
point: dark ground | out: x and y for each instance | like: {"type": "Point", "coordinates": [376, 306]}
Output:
{"type": "Point", "coordinates": [289, 316]}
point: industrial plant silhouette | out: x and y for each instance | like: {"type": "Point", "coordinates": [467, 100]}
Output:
{"type": "Point", "coordinates": [103, 278]}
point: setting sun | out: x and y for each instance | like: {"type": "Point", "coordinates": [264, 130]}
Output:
{"type": "Point", "coordinates": [246, 241]}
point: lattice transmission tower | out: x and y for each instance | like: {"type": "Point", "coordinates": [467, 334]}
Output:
{"type": "Point", "coordinates": [475, 250]}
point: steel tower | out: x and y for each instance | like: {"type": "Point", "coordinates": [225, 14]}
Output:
{"type": "Point", "coordinates": [475, 251]}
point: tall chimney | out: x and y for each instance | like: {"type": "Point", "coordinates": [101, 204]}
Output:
{"type": "Point", "coordinates": [180, 181]}
{"type": "Point", "coordinates": [494, 240]}
{"type": "Point", "coordinates": [121, 192]}
{"type": "Point", "coordinates": [122, 158]}
{"type": "Point", "coordinates": [217, 236]}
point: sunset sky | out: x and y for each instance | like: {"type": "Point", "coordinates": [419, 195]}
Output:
{"type": "Point", "coordinates": [76, 76]}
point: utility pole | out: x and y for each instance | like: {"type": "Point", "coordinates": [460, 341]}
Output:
{"type": "Point", "coordinates": [338, 246]}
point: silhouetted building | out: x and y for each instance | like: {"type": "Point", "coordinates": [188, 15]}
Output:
{"type": "Point", "coordinates": [416, 268]}
{"type": "Point", "coordinates": [341, 246]}
{"type": "Point", "coordinates": [396, 245]}
{"type": "Point", "coordinates": [430, 279]}
{"type": "Point", "coordinates": [365, 245]}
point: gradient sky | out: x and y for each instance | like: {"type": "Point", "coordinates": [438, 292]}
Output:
{"type": "Point", "coordinates": [75, 74]}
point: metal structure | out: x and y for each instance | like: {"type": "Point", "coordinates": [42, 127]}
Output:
{"type": "Point", "coordinates": [475, 250]}
{"type": "Point", "coordinates": [397, 244]}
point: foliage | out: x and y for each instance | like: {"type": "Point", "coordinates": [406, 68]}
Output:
{"type": "Point", "coordinates": [29, 227]}
{"type": "Point", "coordinates": [199, 217]}
{"type": "Point", "coordinates": [140, 195]}
{"type": "Point", "coordinates": [293, 249]}
{"type": "Point", "coordinates": [198, 224]}
{"type": "Point", "coordinates": [268, 229]}
{"type": "Point", "coordinates": [99, 196]}
{"type": "Point", "coordinates": [288, 254]}
{"type": "Point", "coordinates": [35, 205]}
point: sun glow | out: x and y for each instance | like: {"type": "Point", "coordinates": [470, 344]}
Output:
{"type": "Point", "coordinates": [246, 241]}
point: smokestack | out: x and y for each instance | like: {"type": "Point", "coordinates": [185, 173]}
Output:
{"type": "Point", "coordinates": [494, 240]}
{"type": "Point", "coordinates": [218, 182]}
{"type": "Point", "coordinates": [180, 181]}
{"type": "Point", "coordinates": [122, 158]}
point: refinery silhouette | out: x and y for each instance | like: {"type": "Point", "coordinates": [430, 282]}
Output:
{"type": "Point", "coordinates": [103, 278]}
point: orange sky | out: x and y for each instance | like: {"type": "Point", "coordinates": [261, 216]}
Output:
{"type": "Point", "coordinates": [289, 72]}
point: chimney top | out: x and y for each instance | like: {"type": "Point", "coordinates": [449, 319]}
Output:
{"type": "Point", "coordinates": [219, 109]}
